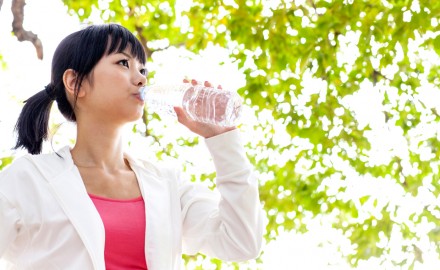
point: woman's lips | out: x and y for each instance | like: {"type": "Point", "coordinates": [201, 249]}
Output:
{"type": "Point", "coordinates": [138, 97]}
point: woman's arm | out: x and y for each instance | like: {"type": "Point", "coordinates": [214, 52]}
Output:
{"type": "Point", "coordinates": [226, 223]}
{"type": "Point", "coordinates": [9, 223]}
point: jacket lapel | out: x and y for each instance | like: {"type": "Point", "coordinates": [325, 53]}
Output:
{"type": "Point", "coordinates": [70, 192]}
{"type": "Point", "coordinates": [158, 235]}
{"type": "Point", "coordinates": [72, 196]}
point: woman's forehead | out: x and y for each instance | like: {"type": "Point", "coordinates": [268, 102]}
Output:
{"type": "Point", "coordinates": [120, 46]}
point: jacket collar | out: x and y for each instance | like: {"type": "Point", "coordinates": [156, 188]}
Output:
{"type": "Point", "coordinates": [155, 184]}
{"type": "Point", "coordinates": [64, 178]}
{"type": "Point", "coordinates": [69, 190]}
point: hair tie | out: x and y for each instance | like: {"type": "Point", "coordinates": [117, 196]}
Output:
{"type": "Point", "coordinates": [49, 91]}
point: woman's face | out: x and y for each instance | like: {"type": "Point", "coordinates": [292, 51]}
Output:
{"type": "Point", "coordinates": [112, 90]}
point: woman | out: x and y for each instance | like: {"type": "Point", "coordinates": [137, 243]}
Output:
{"type": "Point", "coordinates": [93, 206]}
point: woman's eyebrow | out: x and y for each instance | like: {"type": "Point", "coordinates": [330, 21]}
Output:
{"type": "Point", "coordinates": [126, 54]}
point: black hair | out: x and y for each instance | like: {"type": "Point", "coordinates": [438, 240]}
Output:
{"type": "Point", "coordinates": [79, 51]}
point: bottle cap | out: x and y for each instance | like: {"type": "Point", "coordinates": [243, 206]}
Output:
{"type": "Point", "coordinates": [143, 92]}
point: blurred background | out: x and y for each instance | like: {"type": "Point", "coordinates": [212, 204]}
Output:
{"type": "Point", "coordinates": [341, 117]}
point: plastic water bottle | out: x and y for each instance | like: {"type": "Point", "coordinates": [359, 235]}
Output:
{"type": "Point", "coordinates": [201, 103]}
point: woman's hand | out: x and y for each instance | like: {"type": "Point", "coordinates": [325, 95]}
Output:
{"type": "Point", "coordinates": [202, 129]}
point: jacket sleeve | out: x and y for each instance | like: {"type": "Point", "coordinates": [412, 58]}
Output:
{"type": "Point", "coordinates": [225, 223]}
{"type": "Point", "coordinates": [9, 224]}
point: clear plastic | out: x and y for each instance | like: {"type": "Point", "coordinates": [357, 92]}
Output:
{"type": "Point", "coordinates": [203, 104]}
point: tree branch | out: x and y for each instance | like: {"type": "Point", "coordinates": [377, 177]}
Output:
{"type": "Point", "coordinates": [144, 41]}
{"type": "Point", "coordinates": [17, 9]}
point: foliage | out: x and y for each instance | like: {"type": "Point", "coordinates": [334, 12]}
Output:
{"type": "Point", "coordinates": [5, 161]}
{"type": "Point", "coordinates": [3, 64]}
{"type": "Point", "coordinates": [319, 67]}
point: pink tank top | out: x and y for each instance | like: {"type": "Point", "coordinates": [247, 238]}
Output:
{"type": "Point", "coordinates": [124, 223]}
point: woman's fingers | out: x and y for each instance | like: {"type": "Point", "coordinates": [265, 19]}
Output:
{"type": "Point", "coordinates": [196, 82]}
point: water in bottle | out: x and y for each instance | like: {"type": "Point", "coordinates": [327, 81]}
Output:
{"type": "Point", "coordinates": [201, 103]}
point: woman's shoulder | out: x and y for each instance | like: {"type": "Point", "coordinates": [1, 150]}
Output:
{"type": "Point", "coordinates": [28, 164]}
{"type": "Point", "coordinates": [16, 175]}
{"type": "Point", "coordinates": [19, 164]}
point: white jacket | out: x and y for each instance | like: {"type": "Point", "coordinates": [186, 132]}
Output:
{"type": "Point", "coordinates": [48, 221]}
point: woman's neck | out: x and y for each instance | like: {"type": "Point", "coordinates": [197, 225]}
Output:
{"type": "Point", "coordinates": [98, 146]}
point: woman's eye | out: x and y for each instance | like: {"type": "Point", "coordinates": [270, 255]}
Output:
{"type": "Point", "coordinates": [143, 71]}
{"type": "Point", "coordinates": [123, 62]}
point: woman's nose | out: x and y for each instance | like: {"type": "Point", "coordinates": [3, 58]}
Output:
{"type": "Point", "coordinates": [140, 79]}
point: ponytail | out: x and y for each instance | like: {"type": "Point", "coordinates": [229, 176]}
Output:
{"type": "Point", "coordinates": [32, 124]}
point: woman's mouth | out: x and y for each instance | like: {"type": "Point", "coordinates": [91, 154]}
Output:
{"type": "Point", "coordinates": [138, 97]}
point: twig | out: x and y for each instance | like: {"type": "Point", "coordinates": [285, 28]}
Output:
{"type": "Point", "coordinates": [17, 9]}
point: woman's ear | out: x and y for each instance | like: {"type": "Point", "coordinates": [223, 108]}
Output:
{"type": "Point", "coordinates": [69, 80]}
